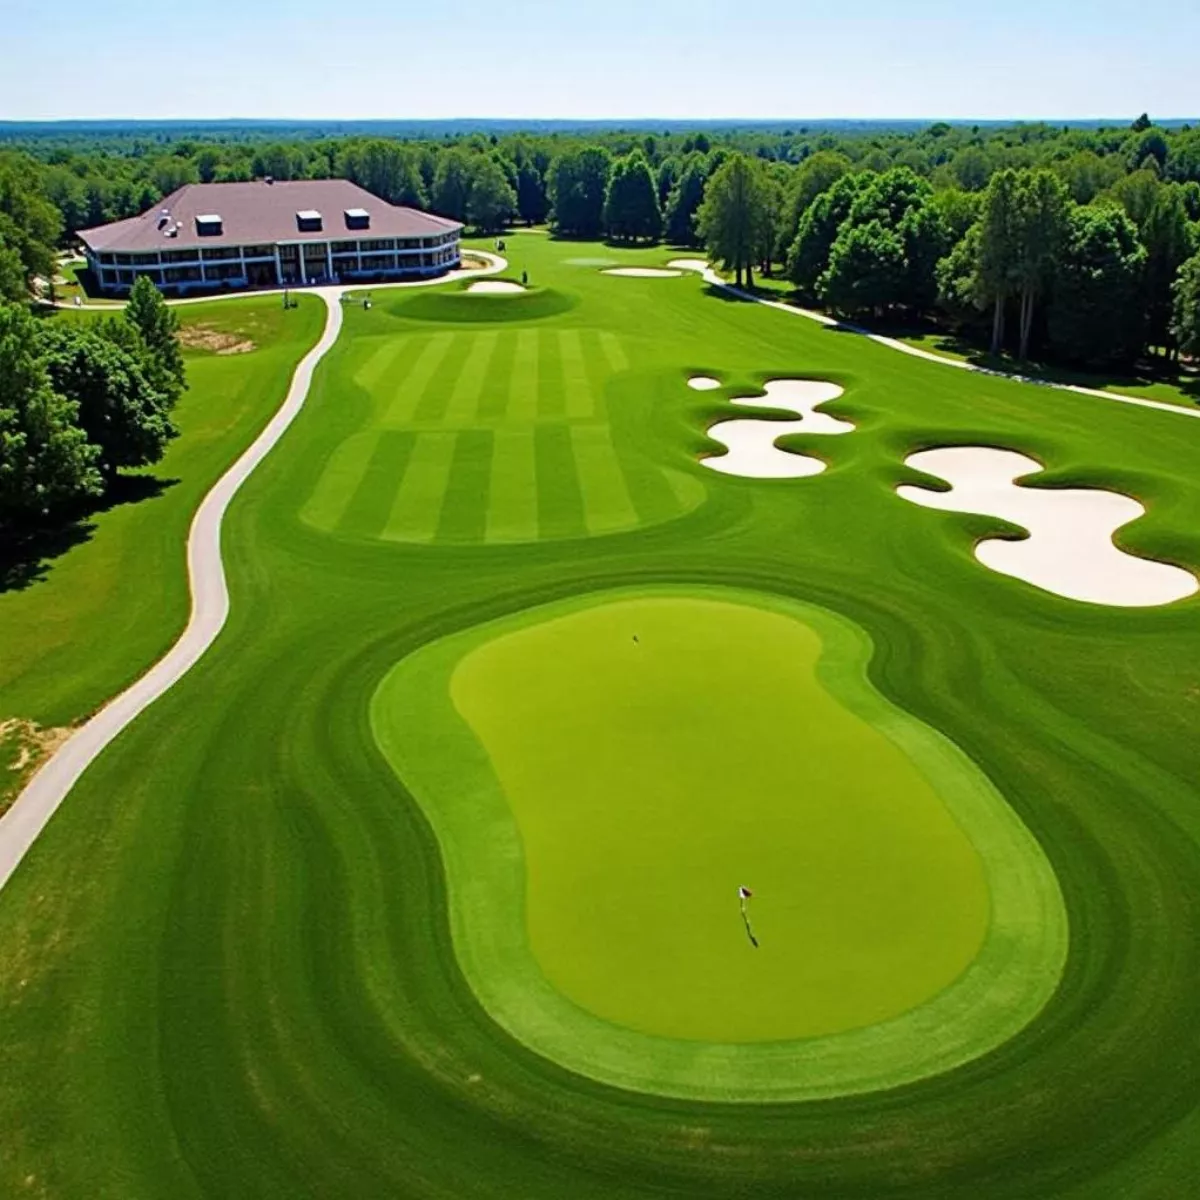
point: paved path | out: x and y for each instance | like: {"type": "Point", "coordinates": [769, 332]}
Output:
{"type": "Point", "coordinates": [38, 802]}
{"type": "Point", "coordinates": [711, 277]}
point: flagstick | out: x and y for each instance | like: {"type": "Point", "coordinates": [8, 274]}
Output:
{"type": "Point", "coordinates": [746, 919]}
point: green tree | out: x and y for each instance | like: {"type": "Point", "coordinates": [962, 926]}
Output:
{"type": "Point", "coordinates": [1167, 236]}
{"type": "Point", "coordinates": [972, 169]}
{"type": "Point", "coordinates": [1041, 203]}
{"type": "Point", "coordinates": [46, 461]}
{"type": "Point", "coordinates": [157, 327]}
{"type": "Point", "coordinates": [451, 189]}
{"type": "Point", "coordinates": [1136, 194]}
{"type": "Point", "coordinates": [32, 225]}
{"type": "Point", "coordinates": [685, 200]}
{"type": "Point", "coordinates": [631, 204]}
{"type": "Point", "coordinates": [492, 200]}
{"type": "Point", "coordinates": [808, 257]}
{"type": "Point", "coordinates": [817, 174]}
{"type": "Point", "coordinates": [1095, 316]}
{"type": "Point", "coordinates": [866, 272]}
{"type": "Point", "coordinates": [1185, 323]}
{"type": "Point", "coordinates": [577, 186]}
{"type": "Point", "coordinates": [734, 216]}
{"type": "Point", "coordinates": [13, 286]}
{"type": "Point", "coordinates": [996, 277]}
{"type": "Point", "coordinates": [123, 415]}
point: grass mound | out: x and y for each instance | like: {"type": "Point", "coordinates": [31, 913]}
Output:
{"type": "Point", "coordinates": [535, 304]}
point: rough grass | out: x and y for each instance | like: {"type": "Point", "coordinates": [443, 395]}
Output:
{"type": "Point", "coordinates": [86, 611]}
{"type": "Point", "coordinates": [226, 968]}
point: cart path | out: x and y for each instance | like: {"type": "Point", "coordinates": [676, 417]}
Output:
{"type": "Point", "coordinates": [39, 800]}
{"type": "Point", "coordinates": [706, 272]}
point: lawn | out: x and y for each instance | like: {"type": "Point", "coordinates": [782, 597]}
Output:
{"type": "Point", "coordinates": [89, 610]}
{"type": "Point", "coordinates": [244, 958]}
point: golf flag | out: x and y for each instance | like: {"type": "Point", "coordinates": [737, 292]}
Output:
{"type": "Point", "coordinates": [744, 893]}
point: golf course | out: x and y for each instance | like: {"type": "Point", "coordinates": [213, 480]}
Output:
{"type": "Point", "coordinates": [658, 745]}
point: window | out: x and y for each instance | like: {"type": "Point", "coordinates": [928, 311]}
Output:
{"type": "Point", "coordinates": [357, 218]}
{"type": "Point", "coordinates": [258, 251]}
{"type": "Point", "coordinates": [308, 220]}
{"type": "Point", "coordinates": [208, 225]}
{"type": "Point", "coordinates": [345, 247]}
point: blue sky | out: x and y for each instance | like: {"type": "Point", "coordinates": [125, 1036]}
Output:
{"type": "Point", "coordinates": [622, 58]}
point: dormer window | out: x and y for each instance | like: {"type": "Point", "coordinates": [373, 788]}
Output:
{"type": "Point", "coordinates": [358, 218]}
{"type": "Point", "coordinates": [208, 225]}
{"type": "Point", "coordinates": [308, 220]}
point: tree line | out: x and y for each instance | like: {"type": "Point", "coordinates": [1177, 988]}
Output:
{"type": "Point", "coordinates": [79, 402]}
{"type": "Point", "coordinates": [1071, 243]}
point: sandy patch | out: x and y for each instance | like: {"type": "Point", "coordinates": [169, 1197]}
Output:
{"type": "Point", "coordinates": [751, 441]}
{"type": "Point", "coordinates": [643, 272]}
{"type": "Point", "coordinates": [494, 287]}
{"type": "Point", "coordinates": [216, 341]}
{"type": "Point", "coordinates": [589, 262]}
{"type": "Point", "coordinates": [1070, 549]}
{"type": "Point", "coordinates": [32, 745]}
{"type": "Point", "coordinates": [703, 383]}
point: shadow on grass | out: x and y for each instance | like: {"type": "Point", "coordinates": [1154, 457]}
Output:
{"type": "Point", "coordinates": [27, 555]}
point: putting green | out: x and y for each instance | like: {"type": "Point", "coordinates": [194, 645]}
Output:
{"type": "Point", "coordinates": [603, 773]}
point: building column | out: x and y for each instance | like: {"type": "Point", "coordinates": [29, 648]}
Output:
{"type": "Point", "coordinates": [329, 260]}
{"type": "Point", "coordinates": [300, 259]}
{"type": "Point", "coordinates": [278, 268]}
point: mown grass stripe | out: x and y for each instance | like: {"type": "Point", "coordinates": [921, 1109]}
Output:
{"type": "Point", "coordinates": [523, 378]}
{"type": "Point", "coordinates": [578, 396]}
{"type": "Point", "coordinates": [649, 487]}
{"type": "Point", "coordinates": [618, 360]}
{"type": "Point", "coordinates": [367, 509]}
{"type": "Point", "coordinates": [560, 501]}
{"type": "Point", "coordinates": [464, 510]}
{"type": "Point", "coordinates": [379, 362]}
{"type": "Point", "coordinates": [551, 398]}
{"type": "Point", "coordinates": [512, 513]}
{"type": "Point", "coordinates": [417, 507]}
{"type": "Point", "coordinates": [493, 404]}
{"type": "Point", "coordinates": [463, 406]}
{"type": "Point", "coordinates": [339, 481]}
{"type": "Point", "coordinates": [606, 501]}
{"type": "Point", "coordinates": [408, 397]}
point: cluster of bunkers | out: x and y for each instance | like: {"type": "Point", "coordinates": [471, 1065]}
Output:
{"type": "Point", "coordinates": [208, 237]}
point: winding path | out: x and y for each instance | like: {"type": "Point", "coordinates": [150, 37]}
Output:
{"type": "Point", "coordinates": [39, 801]}
{"type": "Point", "coordinates": [706, 272]}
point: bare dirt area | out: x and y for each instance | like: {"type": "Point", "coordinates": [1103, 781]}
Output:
{"type": "Point", "coordinates": [24, 746]}
{"type": "Point", "coordinates": [216, 341]}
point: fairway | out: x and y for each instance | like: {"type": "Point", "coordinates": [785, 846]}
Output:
{"type": "Point", "coordinates": [491, 435]}
{"type": "Point", "coordinates": [423, 881]}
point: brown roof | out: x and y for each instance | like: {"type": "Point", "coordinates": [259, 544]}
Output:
{"type": "Point", "coordinates": [262, 212]}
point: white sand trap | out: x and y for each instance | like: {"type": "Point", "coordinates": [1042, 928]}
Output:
{"type": "Point", "coordinates": [703, 383]}
{"type": "Point", "coordinates": [751, 442]}
{"type": "Point", "coordinates": [494, 287]}
{"type": "Point", "coordinates": [1069, 550]}
{"type": "Point", "coordinates": [643, 272]}
{"type": "Point", "coordinates": [689, 264]}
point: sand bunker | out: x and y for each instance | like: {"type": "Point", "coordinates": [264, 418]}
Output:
{"type": "Point", "coordinates": [703, 383]}
{"type": "Point", "coordinates": [1069, 550]}
{"type": "Point", "coordinates": [495, 287]}
{"type": "Point", "coordinates": [643, 272]}
{"type": "Point", "coordinates": [689, 264]}
{"type": "Point", "coordinates": [751, 441]}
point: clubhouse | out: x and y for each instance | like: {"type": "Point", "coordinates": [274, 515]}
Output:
{"type": "Point", "coordinates": [223, 236]}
